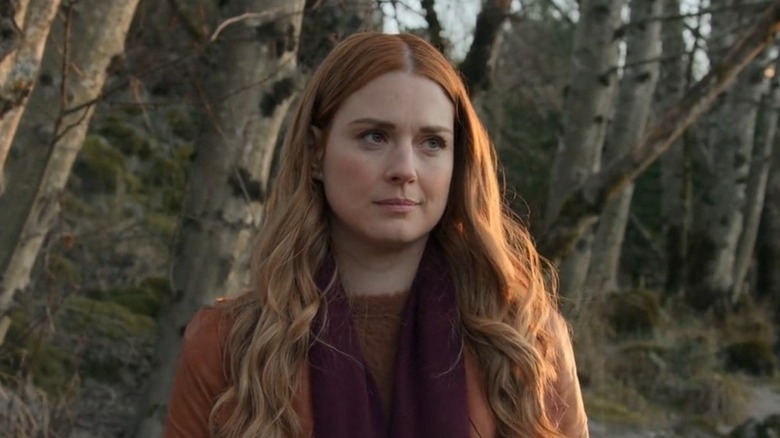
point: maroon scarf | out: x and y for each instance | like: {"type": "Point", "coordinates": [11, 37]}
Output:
{"type": "Point", "coordinates": [429, 390]}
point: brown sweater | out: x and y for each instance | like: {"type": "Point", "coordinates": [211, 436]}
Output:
{"type": "Point", "coordinates": [377, 321]}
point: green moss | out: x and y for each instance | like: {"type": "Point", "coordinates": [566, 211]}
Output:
{"type": "Point", "coordinates": [182, 124]}
{"type": "Point", "coordinates": [99, 166]}
{"type": "Point", "coordinates": [134, 183]}
{"type": "Point", "coordinates": [130, 140]}
{"type": "Point", "coordinates": [51, 367]}
{"type": "Point", "coordinates": [106, 319]}
{"type": "Point", "coordinates": [144, 299]}
{"type": "Point", "coordinates": [77, 207]}
{"type": "Point", "coordinates": [165, 171]}
{"type": "Point", "coordinates": [106, 369]}
{"type": "Point", "coordinates": [185, 153]}
{"type": "Point", "coordinates": [168, 177]}
{"type": "Point", "coordinates": [64, 269]}
{"type": "Point", "coordinates": [29, 352]}
{"type": "Point", "coordinates": [162, 224]}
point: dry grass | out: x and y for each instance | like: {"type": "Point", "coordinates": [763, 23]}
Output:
{"type": "Point", "coordinates": [673, 365]}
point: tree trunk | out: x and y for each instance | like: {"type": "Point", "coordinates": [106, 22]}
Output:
{"type": "Point", "coordinates": [731, 127]}
{"type": "Point", "coordinates": [582, 206]}
{"type": "Point", "coordinates": [478, 65]}
{"type": "Point", "coordinates": [768, 247]}
{"type": "Point", "coordinates": [766, 129]}
{"type": "Point", "coordinates": [675, 174]}
{"type": "Point", "coordinates": [587, 110]}
{"type": "Point", "coordinates": [20, 64]}
{"type": "Point", "coordinates": [326, 22]}
{"type": "Point", "coordinates": [635, 98]}
{"type": "Point", "coordinates": [49, 142]}
{"type": "Point", "coordinates": [248, 93]}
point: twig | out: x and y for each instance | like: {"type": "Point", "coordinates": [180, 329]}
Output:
{"type": "Point", "coordinates": [434, 26]}
{"type": "Point", "coordinates": [265, 15]}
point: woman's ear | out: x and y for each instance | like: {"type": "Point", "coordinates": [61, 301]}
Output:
{"type": "Point", "coordinates": [319, 152]}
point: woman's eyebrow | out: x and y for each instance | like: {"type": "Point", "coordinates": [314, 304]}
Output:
{"type": "Point", "coordinates": [372, 121]}
{"type": "Point", "coordinates": [432, 129]}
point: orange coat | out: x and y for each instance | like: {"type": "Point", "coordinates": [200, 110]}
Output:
{"type": "Point", "coordinates": [202, 376]}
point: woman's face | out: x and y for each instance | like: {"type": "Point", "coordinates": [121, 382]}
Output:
{"type": "Point", "coordinates": [388, 162]}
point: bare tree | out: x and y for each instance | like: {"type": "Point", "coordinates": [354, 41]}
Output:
{"type": "Point", "coordinates": [249, 88]}
{"type": "Point", "coordinates": [92, 34]}
{"type": "Point", "coordinates": [675, 181]}
{"type": "Point", "coordinates": [27, 24]}
{"type": "Point", "coordinates": [634, 101]}
{"type": "Point", "coordinates": [480, 59]}
{"type": "Point", "coordinates": [582, 206]}
{"type": "Point", "coordinates": [766, 129]}
{"type": "Point", "coordinates": [718, 218]}
{"type": "Point", "coordinates": [587, 110]}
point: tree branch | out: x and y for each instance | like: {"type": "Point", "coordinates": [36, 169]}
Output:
{"type": "Point", "coordinates": [583, 206]}
{"type": "Point", "coordinates": [434, 26]}
{"type": "Point", "coordinates": [696, 14]}
{"type": "Point", "coordinates": [477, 65]}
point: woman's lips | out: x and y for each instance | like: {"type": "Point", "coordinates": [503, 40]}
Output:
{"type": "Point", "coordinates": [398, 205]}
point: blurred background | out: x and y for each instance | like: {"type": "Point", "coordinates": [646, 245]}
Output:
{"type": "Point", "coordinates": [637, 138]}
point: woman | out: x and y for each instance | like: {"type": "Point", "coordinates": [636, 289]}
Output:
{"type": "Point", "coordinates": [393, 293]}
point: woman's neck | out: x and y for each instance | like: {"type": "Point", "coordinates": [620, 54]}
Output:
{"type": "Point", "coordinates": [366, 272]}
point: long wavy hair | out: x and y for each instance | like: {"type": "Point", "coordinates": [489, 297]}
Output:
{"type": "Point", "coordinates": [505, 294]}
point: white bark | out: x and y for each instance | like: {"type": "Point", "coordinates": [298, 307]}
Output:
{"type": "Point", "coordinates": [248, 92]}
{"type": "Point", "coordinates": [720, 219]}
{"type": "Point", "coordinates": [766, 129]}
{"type": "Point", "coordinates": [675, 173]}
{"type": "Point", "coordinates": [49, 143]}
{"type": "Point", "coordinates": [635, 98]}
{"type": "Point", "coordinates": [582, 207]}
{"type": "Point", "coordinates": [587, 111]}
{"type": "Point", "coordinates": [19, 70]}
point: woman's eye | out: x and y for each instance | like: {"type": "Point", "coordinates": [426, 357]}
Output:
{"type": "Point", "coordinates": [374, 137]}
{"type": "Point", "coordinates": [434, 143]}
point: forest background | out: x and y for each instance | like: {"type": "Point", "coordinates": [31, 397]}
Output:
{"type": "Point", "coordinates": [638, 142]}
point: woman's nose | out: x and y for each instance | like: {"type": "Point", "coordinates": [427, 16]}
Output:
{"type": "Point", "coordinates": [401, 163]}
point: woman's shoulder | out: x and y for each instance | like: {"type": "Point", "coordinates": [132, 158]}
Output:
{"type": "Point", "coordinates": [206, 336]}
{"type": "Point", "coordinates": [209, 326]}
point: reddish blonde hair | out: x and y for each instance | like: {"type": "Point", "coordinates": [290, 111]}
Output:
{"type": "Point", "coordinates": [506, 305]}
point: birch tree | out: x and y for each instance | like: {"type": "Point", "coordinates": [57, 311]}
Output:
{"type": "Point", "coordinates": [585, 202]}
{"type": "Point", "coordinates": [27, 22]}
{"type": "Point", "coordinates": [634, 100]}
{"type": "Point", "coordinates": [77, 60]}
{"type": "Point", "coordinates": [675, 180]}
{"type": "Point", "coordinates": [768, 247]}
{"type": "Point", "coordinates": [248, 90]}
{"type": "Point", "coordinates": [587, 110]}
{"type": "Point", "coordinates": [766, 129]}
{"type": "Point", "coordinates": [730, 133]}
